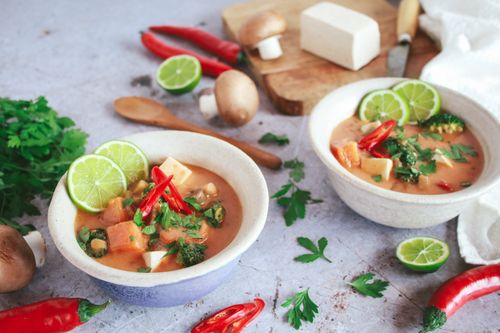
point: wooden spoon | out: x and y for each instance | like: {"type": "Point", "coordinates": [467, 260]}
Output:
{"type": "Point", "coordinates": [147, 111]}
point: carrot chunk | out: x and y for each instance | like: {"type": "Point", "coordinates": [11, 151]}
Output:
{"type": "Point", "coordinates": [114, 212]}
{"type": "Point", "coordinates": [126, 236]}
{"type": "Point", "coordinates": [352, 153]}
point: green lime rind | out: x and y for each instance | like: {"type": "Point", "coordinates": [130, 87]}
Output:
{"type": "Point", "coordinates": [130, 158]}
{"type": "Point", "coordinates": [423, 99]}
{"type": "Point", "coordinates": [179, 74]}
{"type": "Point", "coordinates": [423, 254]}
{"type": "Point", "coordinates": [384, 104]}
{"type": "Point", "coordinates": [93, 180]}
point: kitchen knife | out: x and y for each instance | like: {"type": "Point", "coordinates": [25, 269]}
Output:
{"type": "Point", "coordinates": [406, 29]}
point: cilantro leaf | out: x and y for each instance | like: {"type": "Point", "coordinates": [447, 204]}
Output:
{"type": "Point", "coordinates": [377, 178]}
{"type": "Point", "coordinates": [468, 150]}
{"type": "Point", "coordinates": [138, 218]}
{"type": "Point", "coordinates": [373, 289]}
{"type": "Point", "coordinates": [127, 202]}
{"type": "Point", "coordinates": [296, 169]}
{"type": "Point", "coordinates": [269, 137]}
{"type": "Point", "coordinates": [144, 269]}
{"type": "Point", "coordinates": [317, 251]}
{"type": "Point", "coordinates": [149, 229]}
{"type": "Point", "coordinates": [303, 309]}
{"type": "Point", "coordinates": [193, 203]}
{"type": "Point", "coordinates": [282, 191]}
{"type": "Point", "coordinates": [432, 135]}
{"type": "Point", "coordinates": [428, 168]}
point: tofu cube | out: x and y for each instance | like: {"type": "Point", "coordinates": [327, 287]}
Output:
{"type": "Point", "coordinates": [125, 236]}
{"type": "Point", "coordinates": [440, 158]}
{"type": "Point", "coordinates": [153, 258]}
{"type": "Point", "coordinates": [173, 167]}
{"type": "Point", "coordinates": [339, 34]}
{"type": "Point", "coordinates": [377, 166]}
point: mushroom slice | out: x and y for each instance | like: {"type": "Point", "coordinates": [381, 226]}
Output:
{"type": "Point", "coordinates": [17, 262]}
{"type": "Point", "coordinates": [263, 31]}
{"type": "Point", "coordinates": [478, 231]}
{"type": "Point", "coordinates": [37, 244]}
{"type": "Point", "coordinates": [234, 98]}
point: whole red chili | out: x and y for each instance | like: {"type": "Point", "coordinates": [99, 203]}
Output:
{"type": "Point", "coordinates": [163, 50]}
{"type": "Point", "coordinates": [457, 291]}
{"type": "Point", "coordinates": [153, 196]}
{"type": "Point", "coordinates": [226, 50]}
{"type": "Point", "coordinates": [49, 316]}
{"type": "Point", "coordinates": [377, 136]}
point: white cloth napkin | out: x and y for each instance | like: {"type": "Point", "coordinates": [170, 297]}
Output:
{"type": "Point", "coordinates": [468, 32]}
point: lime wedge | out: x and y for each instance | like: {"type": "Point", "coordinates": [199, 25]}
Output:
{"type": "Point", "coordinates": [384, 105]}
{"type": "Point", "coordinates": [423, 254]}
{"type": "Point", "coordinates": [93, 180]}
{"type": "Point", "coordinates": [179, 74]}
{"type": "Point", "coordinates": [129, 157]}
{"type": "Point", "coordinates": [423, 99]}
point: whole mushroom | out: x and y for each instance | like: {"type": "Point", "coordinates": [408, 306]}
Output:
{"type": "Point", "coordinates": [17, 262]}
{"type": "Point", "coordinates": [234, 97]}
{"type": "Point", "coordinates": [262, 31]}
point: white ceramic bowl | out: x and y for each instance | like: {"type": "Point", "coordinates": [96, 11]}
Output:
{"type": "Point", "coordinates": [187, 284]}
{"type": "Point", "coordinates": [392, 208]}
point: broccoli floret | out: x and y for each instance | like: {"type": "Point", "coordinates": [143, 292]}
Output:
{"type": "Point", "coordinates": [408, 156]}
{"type": "Point", "coordinates": [93, 242]}
{"type": "Point", "coordinates": [215, 214]}
{"type": "Point", "coordinates": [392, 145]}
{"type": "Point", "coordinates": [444, 123]}
{"type": "Point", "coordinates": [409, 175]}
{"type": "Point", "coordinates": [400, 150]}
{"type": "Point", "coordinates": [190, 254]}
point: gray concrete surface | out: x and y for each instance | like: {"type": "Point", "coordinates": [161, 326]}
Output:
{"type": "Point", "coordinates": [82, 55]}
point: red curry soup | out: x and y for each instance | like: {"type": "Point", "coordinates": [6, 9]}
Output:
{"type": "Point", "coordinates": [195, 215]}
{"type": "Point", "coordinates": [439, 155]}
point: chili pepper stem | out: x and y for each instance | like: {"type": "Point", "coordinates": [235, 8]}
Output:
{"type": "Point", "coordinates": [434, 318]}
{"type": "Point", "coordinates": [87, 310]}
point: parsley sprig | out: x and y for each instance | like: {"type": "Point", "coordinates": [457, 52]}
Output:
{"type": "Point", "coordinates": [279, 140]}
{"type": "Point", "coordinates": [373, 289]}
{"type": "Point", "coordinates": [295, 204]}
{"type": "Point", "coordinates": [317, 251]}
{"type": "Point", "coordinates": [303, 309]}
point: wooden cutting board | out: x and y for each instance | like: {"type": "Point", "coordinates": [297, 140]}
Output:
{"type": "Point", "coordinates": [298, 80]}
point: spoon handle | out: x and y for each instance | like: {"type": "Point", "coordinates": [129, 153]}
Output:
{"type": "Point", "coordinates": [258, 155]}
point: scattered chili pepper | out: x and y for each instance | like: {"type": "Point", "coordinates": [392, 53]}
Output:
{"type": "Point", "coordinates": [445, 186]}
{"type": "Point", "coordinates": [231, 319]}
{"type": "Point", "coordinates": [226, 50]}
{"type": "Point", "coordinates": [163, 50]}
{"type": "Point", "coordinates": [153, 196]}
{"type": "Point", "coordinates": [457, 291]}
{"type": "Point", "coordinates": [159, 176]}
{"type": "Point", "coordinates": [377, 136]}
{"type": "Point", "coordinates": [49, 316]}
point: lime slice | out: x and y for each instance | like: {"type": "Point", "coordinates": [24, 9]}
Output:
{"type": "Point", "coordinates": [423, 254]}
{"type": "Point", "coordinates": [129, 157]}
{"type": "Point", "coordinates": [423, 99]}
{"type": "Point", "coordinates": [384, 105]}
{"type": "Point", "coordinates": [93, 180]}
{"type": "Point", "coordinates": [179, 74]}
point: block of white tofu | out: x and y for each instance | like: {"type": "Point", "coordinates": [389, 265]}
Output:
{"type": "Point", "coordinates": [440, 158]}
{"type": "Point", "coordinates": [339, 34]}
{"type": "Point", "coordinates": [173, 167]}
{"type": "Point", "coordinates": [153, 258]}
{"type": "Point", "coordinates": [377, 166]}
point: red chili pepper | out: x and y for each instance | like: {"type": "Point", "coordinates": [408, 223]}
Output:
{"type": "Point", "coordinates": [377, 136]}
{"type": "Point", "coordinates": [159, 176]}
{"type": "Point", "coordinates": [163, 50]}
{"type": "Point", "coordinates": [226, 50]}
{"type": "Point", "coordinates": [49, 316]}
{"type": "Point", "coordinates": [457, 291]}
{"type": "Point", "coordinates": [236, 317]}
{"type": "Point", "coordinates": [445, 186]}
{"type": "Point", "coordinates": [153, 196]}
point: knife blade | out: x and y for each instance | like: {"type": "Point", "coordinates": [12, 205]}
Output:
{"type": "Point", "coordinates": [407, 23]}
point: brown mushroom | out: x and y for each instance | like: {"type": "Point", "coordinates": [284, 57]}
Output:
{"type": "Point", "coordinates": [17, 262]}
{"type": "Point", "coordinates": [263, 31]}
{"type": "Point", "coordinates": [234, 97]}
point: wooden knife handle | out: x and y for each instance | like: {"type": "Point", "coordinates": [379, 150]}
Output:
{"type": "Point", "coordinates": [407, 20]}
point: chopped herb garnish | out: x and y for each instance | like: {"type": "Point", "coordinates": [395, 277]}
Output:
{"type": "Point", "coordinates": [193, 203]}
{"type": "Point", "coordinates": [127, 202]}
{"type": "Point", "coordinates": [84, 234]}
{"type": "Point", "coordinates": [85, 238]}
{"type": "Point", "coordinates": [317, 251]}
{"type": "Point", "coordinates": [427, 169]}
{"type": "Point", "coordinates": [303, 309]}
{"type": "Point", "coordinates": [138, 218]}
{"type": "Point", "coordinates": [144, 269]}
{"type": "Point", "coordinates": [132, 238]}
{"type": "Point", "coordinates": [409, 175]}
{"type": "Point", "coordinates": [149, 229]}
{"type": "Point", "coordinates": [148, 189]}
{"type": "Point", "coordinates": [269, 137]}
{"type": "Point", "coordinates": [190, 254]}
{"type": "Point", "coordinates": [296, 169]}
{"type": "Point", "coordinates": [215, 214]}
{"type": "Point", "coordinates": [153, 239]}
{"type": "Point", "coordinates": [373, 289]}
{"type": "Point", "coordinates": [377, 178]}
{"type": "Point", "coordinates": [432, 135]}
{"type": "Point", "coordinates": [468, 150]}
{"type": "Point", "coordinates": [457, 151]}
{"type": "Point", "coordinates": [171, 248]}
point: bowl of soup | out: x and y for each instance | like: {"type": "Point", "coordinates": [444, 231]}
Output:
{"type": "Point", "coordinates": [212, 209]}
{"type": "Point", "coordinates": [448, 171]}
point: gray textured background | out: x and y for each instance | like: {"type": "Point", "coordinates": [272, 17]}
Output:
{"type": "Point", "coordinates": [83, 55]}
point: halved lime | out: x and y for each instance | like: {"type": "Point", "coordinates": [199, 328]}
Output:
{"type": "Point", "coordinates": [179, 74]}
{"type": "Point", "coordinates": [423, 254]}
{"type": "Point", "coordinates": [129, 157]}
{"type": "Point", "coordinates": [93, 180]}
{"type": "Point", "coordinates": [423, 99]}
{"type": "Point", "coordinates": [384, 105]}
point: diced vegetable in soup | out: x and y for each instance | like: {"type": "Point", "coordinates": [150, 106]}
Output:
{"type": "Point", "coordinates": [181, 216]}
{"type": "Point", "coordinates": [439, 155]}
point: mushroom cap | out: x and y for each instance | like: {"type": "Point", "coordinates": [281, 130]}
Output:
{"type": "Point", "coordinates": [237, 97]}
{"type": "Point", "coordinates": [17, 262]}
{"type": "Point", "coordinates": [261, 26]}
